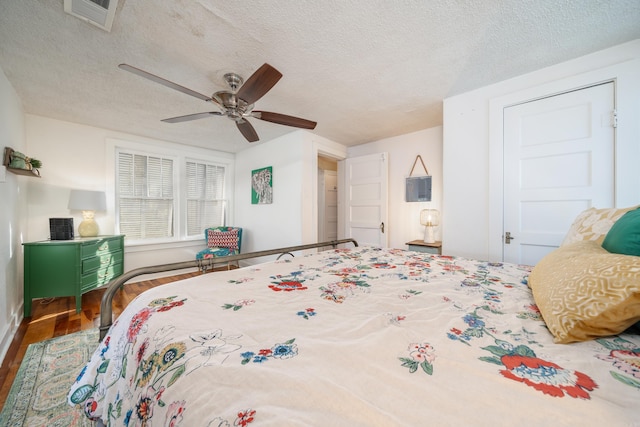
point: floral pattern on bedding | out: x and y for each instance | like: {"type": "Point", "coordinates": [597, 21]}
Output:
{"type": "Point", "coordinates": [624, 355]}
{"type": "Point", "coordinates": [285, 350]}
{"type": "Point", "coordinates": [420, 355]}
{"type": "Point", "coordinates": [217, 342]}
{"type": "Point", "coordinates": [519, 360]}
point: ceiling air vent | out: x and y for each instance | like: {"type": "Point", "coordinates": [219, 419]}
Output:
{"type": "Point", "coordinates": [97, 12]}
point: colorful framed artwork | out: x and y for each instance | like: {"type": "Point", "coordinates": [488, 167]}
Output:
{"type": "Point", "coordinates": [262, 186]}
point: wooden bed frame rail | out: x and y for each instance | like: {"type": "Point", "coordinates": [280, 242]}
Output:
{"type": "Point", "coordinates": [106, 305]}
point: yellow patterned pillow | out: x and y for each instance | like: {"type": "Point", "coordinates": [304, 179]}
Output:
{"type": "Point", "coordinates": [584, 292]}
{"type": "Point", "coordinates": [593, 224]}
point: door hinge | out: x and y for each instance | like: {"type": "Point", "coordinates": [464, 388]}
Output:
{"type": "Point", "coordinates": [614, 118]}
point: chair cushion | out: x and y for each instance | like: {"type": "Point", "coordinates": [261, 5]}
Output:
{"type": "Point", "coordinates": [216, 252]}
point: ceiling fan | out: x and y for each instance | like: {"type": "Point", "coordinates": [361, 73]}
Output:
{"type": "Point", "coordinates": [237, 103]}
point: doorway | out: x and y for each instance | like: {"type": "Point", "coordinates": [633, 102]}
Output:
{"type": "Point", "coordinates": [327, 199]}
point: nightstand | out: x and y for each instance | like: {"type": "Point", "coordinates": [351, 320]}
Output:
{"type": "Point", "coordinates": [421, 246]}
{"type": "Point", "coordinates": [56, 268]}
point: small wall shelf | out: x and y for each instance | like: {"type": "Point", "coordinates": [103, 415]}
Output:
{"type": "Point", "coordinates": [8, 153]}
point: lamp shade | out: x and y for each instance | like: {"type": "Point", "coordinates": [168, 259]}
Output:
{"type": "Point", "coordinates": [87, 200]}
{"type": "Point", "coordinates": [430, 217]}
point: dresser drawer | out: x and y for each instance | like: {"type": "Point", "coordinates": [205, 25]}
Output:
{"type": "Point", "coordinates": [60, 268]}
{"type": "Point", "coordinates": [100, 247]}
{"type": "Point", "coordinates": [101, 276]}
{"type": "Point", "coordinates": [102, 261]}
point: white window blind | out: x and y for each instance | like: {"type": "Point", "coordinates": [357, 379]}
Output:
{"type": "Point", "coordinates": [205, 196]}
{"type": "Point", "coordinates": [145, 196]}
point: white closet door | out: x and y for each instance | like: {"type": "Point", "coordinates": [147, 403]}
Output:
{"type": "Point", "coordinates": [558, 161]}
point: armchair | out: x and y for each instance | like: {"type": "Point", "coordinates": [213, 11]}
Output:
{"type": "Point", "coordinates": [221, 241]}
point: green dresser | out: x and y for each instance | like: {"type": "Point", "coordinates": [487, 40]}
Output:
{"type": "Point", "coordinates": [56, 268]}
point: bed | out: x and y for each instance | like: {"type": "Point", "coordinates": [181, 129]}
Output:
{"type": "Point", "coordinates": [364, 336]}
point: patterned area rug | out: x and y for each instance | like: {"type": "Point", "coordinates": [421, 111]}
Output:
{"type": "Point", "coordinates": [38, 396]}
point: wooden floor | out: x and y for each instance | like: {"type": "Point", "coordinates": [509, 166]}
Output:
{"type": "Point", "coordinates": [56, 317]}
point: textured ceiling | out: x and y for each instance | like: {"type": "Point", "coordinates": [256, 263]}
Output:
{"type": "Point", "coordinates": [363, 69]}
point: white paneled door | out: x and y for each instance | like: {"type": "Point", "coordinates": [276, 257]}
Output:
{"type": "Point", "coordinates": [558, 161]}
{"type": "Point", "coordinates": [365, 199]}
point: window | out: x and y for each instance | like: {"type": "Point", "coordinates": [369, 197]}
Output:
{"type": "Point", "coordinates": [145, 192]}
{"type": "Point", "coordinates": [166, 193]}
{"type": "Point", "coordinates": [205, 196]}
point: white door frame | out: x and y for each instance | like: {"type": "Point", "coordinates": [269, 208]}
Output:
{"type": "Point", "coordinates": [627, 192]}
{"type": "Point", "coordinates": [334, 151]}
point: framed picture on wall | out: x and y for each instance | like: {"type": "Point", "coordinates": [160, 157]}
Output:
{"type": "Point", "coordinates": [418, 189]}
{"type": "Point", "coordinates": [262, 186]}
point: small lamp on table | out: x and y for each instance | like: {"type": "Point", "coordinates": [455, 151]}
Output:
{"type": "Point", "coordinates": [430, 218]}
{"type": "Point", "coordinates": [88, 202]}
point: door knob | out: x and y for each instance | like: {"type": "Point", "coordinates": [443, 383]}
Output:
{"type": "Point", "coordinates": [508, 238]}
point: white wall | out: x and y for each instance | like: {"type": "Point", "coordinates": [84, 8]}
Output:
{"type": "Point", "coordinates": [472, 141]}
{"type": "Point", "coordinates": [77, 156]}
{"type": "Point", "coordinates": [13, 196]}
{"type": "Point", "coordinates": [403, 217]}
{"type": "Point", "coordinates": [291, 219]}
{"type": "Point", "coordinates": [279, 223]}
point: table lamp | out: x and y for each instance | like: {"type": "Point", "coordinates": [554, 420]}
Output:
{"type": "Point", "coordinates": [430, 218]}
{"type": "Point", "coordinates": [88, 202]}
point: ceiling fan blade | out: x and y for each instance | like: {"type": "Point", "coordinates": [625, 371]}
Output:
{"type": "Point", "coordinates": [259, 83]}
{"type": "Point", "coordinates": [191, 117]}
{"type": "Point", "coordinates": [247, 130]}
{"type": "Point", "coordinates": [283, 119]}
{"type": "Point", "coordinates": [163, 82]}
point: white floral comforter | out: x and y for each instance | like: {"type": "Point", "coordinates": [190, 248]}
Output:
{"type": "Point", "coordinates": [363, 337]}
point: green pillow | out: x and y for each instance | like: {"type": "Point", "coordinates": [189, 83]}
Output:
{"type": "Point", "coordinates": [624, 236]}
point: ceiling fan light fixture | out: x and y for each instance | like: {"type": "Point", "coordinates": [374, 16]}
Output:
{"type": "Point", "coordinates": [235, 104]}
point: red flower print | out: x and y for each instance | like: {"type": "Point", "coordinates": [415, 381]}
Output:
{"type": "Point", "coordinates": [171, 305]}
{"type": "Point", "coordinates": [383, 265]}
{"type": "Point", "coordinates": [160, 392]}
{"type": "Point", "coordinates": [90, 407]}
{"type": "Point", "coordinates": [346, 271]}
{"type": "Point", "coordinates": [142, 350]}
{"type": "Point", "coordinates": [245, 418]}
{"type": "Point", "coordinates": [456, 331]}
{"type": "Point", "coordinates": [138, 322]}
{"type": "Point", "coordinates": [287, 286]}
{"type": "Point", "coordinates": [547, 377]}
{"type": "Point", "coordinates": [265, 352]}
